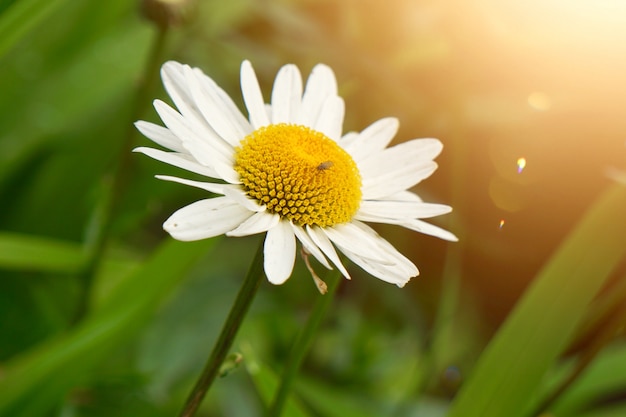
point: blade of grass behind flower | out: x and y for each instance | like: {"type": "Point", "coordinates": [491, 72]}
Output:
{"type": "Point", "coordinates": [21, 17]}
{"type": "Point", "coordinates": [266, 383]}
{"type": "Point", "coordinates": [618, 410]}
{"type": "Point", "coordinates": [63, 93]}
{"type": "Point", "coordinates": [333, 402]}
{"type": "Point", "coordinates": [40, 378]}
{"type": "Point", "coordinates": [512, 366]}
{"type": "Point", "coordinates": [605, 377]}
{"type": "Point", "coordinates": [600, 311]}
{"type": "Point", "coordinates": [34, 253]}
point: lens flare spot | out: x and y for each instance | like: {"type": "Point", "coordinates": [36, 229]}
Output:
{"type": "Point", "coordinates": [539, 101]}
{"type": "Point", "coordinates": [501, 224]}
{"type": "Point", "coordinates": [452, 375]}
{"type": "Point", "coordinates": [521, 164]}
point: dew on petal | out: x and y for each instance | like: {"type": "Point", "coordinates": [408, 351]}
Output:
{"type": "Point", "coordinates": [521, 164]}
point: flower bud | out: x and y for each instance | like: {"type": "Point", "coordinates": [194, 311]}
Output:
{"type": "Point", "coordinates": [168, 13]}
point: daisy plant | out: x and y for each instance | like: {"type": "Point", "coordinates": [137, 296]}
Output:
{"type": "Point", "coordinates": [287, 170]}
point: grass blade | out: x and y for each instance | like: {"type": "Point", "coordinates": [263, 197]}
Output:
{"type": "Point", "coordinates": [34, 253]}
{"type": "Point", "coordinates": [266, 383]}
{"type": "Point", "coordinates": [31, 384]}
{"type": "Point", "coordinates": [22, 17]}
{"type": "Point", "coordinates": [510, 369]}
{"type": "Point", "coordinates": [605, 377]}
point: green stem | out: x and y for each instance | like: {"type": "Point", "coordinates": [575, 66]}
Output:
{"type": "Point", "coordinates": [99, 227]}
{"type": "Point", "coordinates": [302, 345]}
{"type": "Point", "coordinates": [229, 331]}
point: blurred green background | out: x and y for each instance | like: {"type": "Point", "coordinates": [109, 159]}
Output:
{"type": "Point", "coordinates": [102, 318]}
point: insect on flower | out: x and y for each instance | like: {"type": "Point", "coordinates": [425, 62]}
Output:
{"type": "Point", "coordinates": [324, 165]}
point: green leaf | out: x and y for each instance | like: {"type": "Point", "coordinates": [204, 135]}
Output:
{"type": "Point", "coordinates": [332, 402]}
{"type": "Point", "coordinates": [59, 101]}
{"type": "Point", "coordinates": [31, 383]}
{"type": "Point", "coordinates": [618, 410]}
{"type": "Point", "coordinates": [266, 383]}
{"type": "Point", "coordinates": [21, 17]}
{"type": "Point", "coordinates": [34, 253]}
{"type": "Point", "coordinates": [603, 308]}
{"type": "Point", "coordinates": [606, 376]}
{"type": "Point", "coordinates": [510, 369]}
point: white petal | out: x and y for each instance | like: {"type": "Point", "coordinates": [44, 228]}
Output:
{"type": "Point", "coordinates": [396, 179]}
{"type": "Point", "coordinates": [358, 242]}
{"type": "Point", "coordinates": [320, 85]}
{"type": "Point", "coordinates": [404, 196]}
{"type": "Point", "coordinates": [279, 253]}
{"type": "Point", "coordinates": [414, 151]}
{"type": "Point", "coordinates": [160, 135]}
{"type": "Point", "coordinates": [373, 139]}
{"type": "Point", "coordinates": [205, 218]}
{"type": "Point", "coordinates": [207, 149]}
{"type": "Point", "coordinates": [184, 161]}
{"type": "Point", "coordinates": [182, 129]}
{"type": "Point", "coordinates": [427, 229]}
{"type": "Point", "coordinates": [410, 160]}
{"type": "Point", "coordinates": [253, 97]}
{"type": "Point", "coordinates": [378, 270]}
{"type": "Point", "coordinates": [180, 90]}
{"type": "Point", "coordinates": [330, 120]}
{"type": "Point", "coordinates": [310, 246]}
{"type": "Point", "coordinates": [177, 87]}
{"type": "Point", "coordinates": [322, 242]}
{"type": "Point", "coordinates": [257, 223]}
{"type": "Point", "coordinates": [402, 261]}
{"type": "Point", "coordinates": [183, 92]}
{"type": "Point", "coordinates": [177, 124]}
{"type": "Point", "coordinates": [190, 133]}
{"type": "Point", "coordinates": [373, 210]}
{"type": "Point", "coordinates": [240, 196]}
{"type": "Point", "coordinates": [217, 114]}
{"type": "Point", "coordinates": [268, 111]}
{"type": "Point", "coordinates": [286, 95]}
{"type": "Point", "coordinates": [209, 186]}
{"type": "Point", "coordinates": [429, 148]}
{"type": "Point", "coordinates": [237, 117]}
{"type": "Point", "coordinates": [347, 235]}
{"type": "Point", "coordinates": [347, 140]}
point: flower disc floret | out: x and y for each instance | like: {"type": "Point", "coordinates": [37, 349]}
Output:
{"type": "Point", "coordinates": [300, 174]}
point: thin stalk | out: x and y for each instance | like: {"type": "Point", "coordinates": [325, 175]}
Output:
{"type": "Point", "coordinates": [302, 344]}
{"type": "Point", "coordinates": [238, 311]}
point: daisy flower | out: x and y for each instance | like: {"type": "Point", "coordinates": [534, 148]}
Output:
{"type": "Point", "coordinates": [288, 171]}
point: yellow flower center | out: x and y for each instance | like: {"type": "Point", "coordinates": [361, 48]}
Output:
{"type": "Point", "coordinates": [300, 174]}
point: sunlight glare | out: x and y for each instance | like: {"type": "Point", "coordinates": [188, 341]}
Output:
{"type": "Point", "coordinates": [539, 101]}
